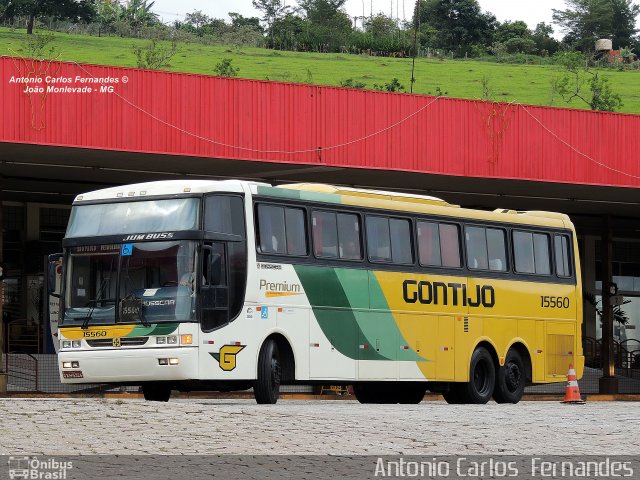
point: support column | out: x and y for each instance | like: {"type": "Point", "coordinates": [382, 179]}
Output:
{"type": "Point", "coordinates": [3, 375]}
{"type": "Point", "coordinates": [608, 382]}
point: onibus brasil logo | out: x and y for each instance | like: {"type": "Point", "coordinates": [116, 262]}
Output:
{"type": "Point", "coordinates": [38, 469]}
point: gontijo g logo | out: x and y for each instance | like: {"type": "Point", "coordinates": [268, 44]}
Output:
{"type": "Point", "coordinates": [227, 356]}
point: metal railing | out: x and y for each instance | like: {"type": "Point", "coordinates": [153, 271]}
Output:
{"type": "Point", "coordinates": [23, 336]}
{"type": "Point", "coordinates": [22, 372]}
{"type": "Point", "coordinates": [626, 354]}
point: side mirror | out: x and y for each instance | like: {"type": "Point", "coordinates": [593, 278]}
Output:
{"type": "Point", "coordinates": [54, 269]}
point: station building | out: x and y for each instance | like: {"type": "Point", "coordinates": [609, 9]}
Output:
{"type": "Point", "coordinates": [67, 128]}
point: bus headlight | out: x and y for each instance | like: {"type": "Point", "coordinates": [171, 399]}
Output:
{"type": "Point", "coordinates": [161, 340]}
{"type": "Point", "coordinates": [66, 344]}
{"type": "Point", "coordinates": [172, 340]}
{"type": "Point", "coordinates": [76, 344]}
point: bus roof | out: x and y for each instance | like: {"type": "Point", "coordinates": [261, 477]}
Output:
{"type": "Point", "coordinates": [161, 188]}
{"type": "Point", "coordinates": [414, 203]}
{"type": "Point", "coordinates": [326, 193]}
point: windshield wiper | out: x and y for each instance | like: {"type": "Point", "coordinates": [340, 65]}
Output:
{"type": "Point", "coordinates": [94, 302]}
{"type": "Point", "coordinates": [140, 310]}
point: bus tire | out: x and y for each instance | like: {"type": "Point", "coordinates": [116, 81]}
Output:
{"type": "Point", "coordinates": [362, 392]}
{"type": "Point", "coordinates": [510, 379]}
{"type": "Point", "coordinates": [482, 378]}
{"type": "Point", "coordinates": [376, 392]}
{"type": "Point", "coordinates": [266, 388]}
{"type": "Point", "coordinates": [156, 392]}
{"type": "Point", "coordinates": [411, 394]}
{"type": "Point", "coordinates": [452, 396]}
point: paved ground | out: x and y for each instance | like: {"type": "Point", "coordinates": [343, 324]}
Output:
{"type": "Point", "coordinates": [96, 426]}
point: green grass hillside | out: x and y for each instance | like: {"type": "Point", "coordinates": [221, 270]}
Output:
{"type": "Point", "coordinates": [459, 78]}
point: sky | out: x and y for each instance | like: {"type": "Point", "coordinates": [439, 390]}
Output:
{"type": "Point", "coordinates": [170, 10]}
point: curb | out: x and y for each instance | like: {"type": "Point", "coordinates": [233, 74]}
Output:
{"type": "Point", "coordinates": [296, 396]}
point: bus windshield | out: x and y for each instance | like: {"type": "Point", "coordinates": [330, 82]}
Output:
{"type": "Point", "coordinates": [133, 217]}
{"type": "Point", "coordinates": [159, 276]}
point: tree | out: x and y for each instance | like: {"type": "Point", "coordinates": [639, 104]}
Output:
{"type": "Point", "coordinates": [272, 11]}
{"type": "Point", "coordinates": [74, 10]}
{"type": "Point", "coordinates": [456, 25]}
{"type": "Point", "coordinates": [578, 82]}
{"type": "Point", "coordinates": [380, 25]}
{"type": "Point", "coordinates": [321, 12]}
{"type": "Point", "coordinates": [197, 19]}
{"type": "Point", "coordinates": [514, 37]}
{"type": "Point", "coordinates": [543, 38]}
{"type": "Point", "coordinates": [329, 25]}
{"type": "Point", "coordinates": [107, 13]}
{"type": "Point", "coordinates": [585, 21]}
{"type": "Point", "coordinates": [238, 21]}
{"type": "Point", "coordinates": [153, 56]}
{"type": "Point", "coordinates": [508, 30]}
{"type": "Point", "coordinates": [138, 14]}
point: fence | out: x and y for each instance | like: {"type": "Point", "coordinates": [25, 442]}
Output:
{"type": "Point", "coordinates": [39, 373]}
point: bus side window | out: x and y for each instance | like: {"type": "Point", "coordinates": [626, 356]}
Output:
{"type": "Point", "coordinates": [349, 236]}
{"type": "Point", "coordinates": [224, 214]}
{"type": "Point", "coordinates": [476, 241]}
{"type": "Point", "coordinates": [282, 230]}
{"type": "Point", "coordinates": [325, 234]}
{"type": "Point", "coordinates": [439, 244]}
{"type": "Point", "coordinates": [562, 252]}
{"type": "Point", "coordinates": [378, 239]}
{"type": "Point", "coordinates": [271, 222]}
{"type": "Point", "coordinates": [486, 249]}
{"type": "Point", "coordinates": [531, 253]}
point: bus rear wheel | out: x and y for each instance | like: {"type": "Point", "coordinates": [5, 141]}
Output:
{"type": "Point", "coordinates": [411, 393]}
{"type": "Point", "coordinates": [266, 388]}
{"type": "Point", "coordinates": [482, 378]}
{"type": "Point", "coordinates": [156, 392]}
{"type": "Point", "coordinates": [511, 378]}
{"type": "Point", "coordinates": [375, 392]}
{"type": "Point", "coordinates": [452, 396]}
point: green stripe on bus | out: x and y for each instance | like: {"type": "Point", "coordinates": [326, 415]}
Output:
{"type": "Point", "coordinates": [153, 329]}
{"type": "Point", "coordinates": [299, 195]}
{"type": "Point", "coordinates": [340, 301]}
{"type": "Point", "coordinates": [332, 310]}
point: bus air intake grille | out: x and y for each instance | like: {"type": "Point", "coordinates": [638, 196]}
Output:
{"type": "Point", "coordinates": [124, 342]}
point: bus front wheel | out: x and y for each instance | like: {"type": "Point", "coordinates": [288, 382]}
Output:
{"type": "Point", "coordinates": [267, 387]}
{"type": "Point", "coordinates": [482, 379]}
{"type": "Point", "coordinates": [511, 378]}
{"type": "Point", "coordinates": [156, 392]}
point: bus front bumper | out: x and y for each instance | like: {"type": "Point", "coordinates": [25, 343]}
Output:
{"type": "Point", "coordinates": [128, 365]}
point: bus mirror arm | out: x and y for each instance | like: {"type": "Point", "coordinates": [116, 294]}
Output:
{"type": "Point", "coordinates": [55, 263]}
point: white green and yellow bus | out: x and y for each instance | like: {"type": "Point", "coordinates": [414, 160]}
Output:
{"type": "Point", "coordinates": [231, 285]}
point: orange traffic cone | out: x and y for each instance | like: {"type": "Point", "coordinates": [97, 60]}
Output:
{"type": "Point", "coordinates": [572, 392]}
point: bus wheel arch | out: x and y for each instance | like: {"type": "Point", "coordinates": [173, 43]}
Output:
{"type": "Point", "coordinates": [287, 357]}
{"type": "Point", "coordinates": [275, 365]}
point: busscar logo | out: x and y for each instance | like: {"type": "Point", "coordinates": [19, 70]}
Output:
{"type": "Point", "coordinates": [148, 236]}
{"type": "Point", "coordinates": [440, 293]}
